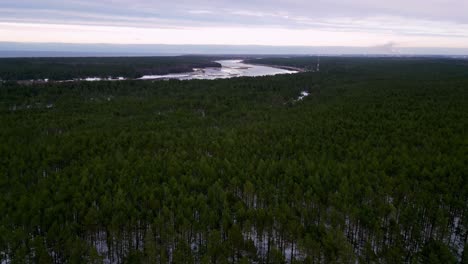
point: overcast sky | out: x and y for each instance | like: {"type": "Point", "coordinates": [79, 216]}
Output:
{"type": "Point", "coordinates": [356, 23]}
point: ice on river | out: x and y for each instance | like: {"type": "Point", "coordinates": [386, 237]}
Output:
{"type": "Point", "coordinates": [229, 69]}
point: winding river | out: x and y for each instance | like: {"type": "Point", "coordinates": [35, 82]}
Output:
{"type": "Point", "coordinates": [229, 69]}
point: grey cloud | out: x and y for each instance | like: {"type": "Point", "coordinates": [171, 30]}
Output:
{"type": "Point", "coordinates": [387, 48]}
{"type": "Point", "coordinates": [434, 10]}
{"type": "Point", "coordinates": [434, 17]}
{"type": "Point", "coordinates": [446, 10]}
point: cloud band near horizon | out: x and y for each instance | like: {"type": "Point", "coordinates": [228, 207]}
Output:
{"type": "Point", "coordinates": [431, 23]}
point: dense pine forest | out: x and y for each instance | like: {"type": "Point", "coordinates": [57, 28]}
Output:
{"type": "Point", "coordinates": [76, 68]}
{"type": "Point", "coordinates": [370, 167]}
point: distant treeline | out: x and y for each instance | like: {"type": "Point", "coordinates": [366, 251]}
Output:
{"type": "Point", "coordinates": [370, 167]}
{"type": "Point", "coordinates": [104, 67]}
{"type": "Point", "coordinates": [360, 65]}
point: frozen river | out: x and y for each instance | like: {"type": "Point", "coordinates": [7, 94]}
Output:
{"type": "Point", "coordinates": [229, 69]}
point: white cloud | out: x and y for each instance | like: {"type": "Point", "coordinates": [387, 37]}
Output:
{"type": "Point", "coordinates": [200, 12]}
{"type": "Point", "coordinates": [27, 32]}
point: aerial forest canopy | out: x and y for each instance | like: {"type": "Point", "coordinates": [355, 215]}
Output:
{"type": "Point", "coordinates": [370, 167]}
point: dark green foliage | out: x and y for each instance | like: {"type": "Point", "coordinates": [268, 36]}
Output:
{"type": "Point", "coordinates": [371, 167]}
{"type": "Point", "coordinates": [103, 67]}
{"type": "Point", "coordinates": [435, 252]}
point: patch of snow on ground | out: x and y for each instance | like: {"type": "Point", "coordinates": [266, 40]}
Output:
{"type": "Point", "coordinates": [92, 79]}
{"type": "Point", "coordinates": [167, 76]}
{"type": "Point", "coordinates": [304, 94]}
